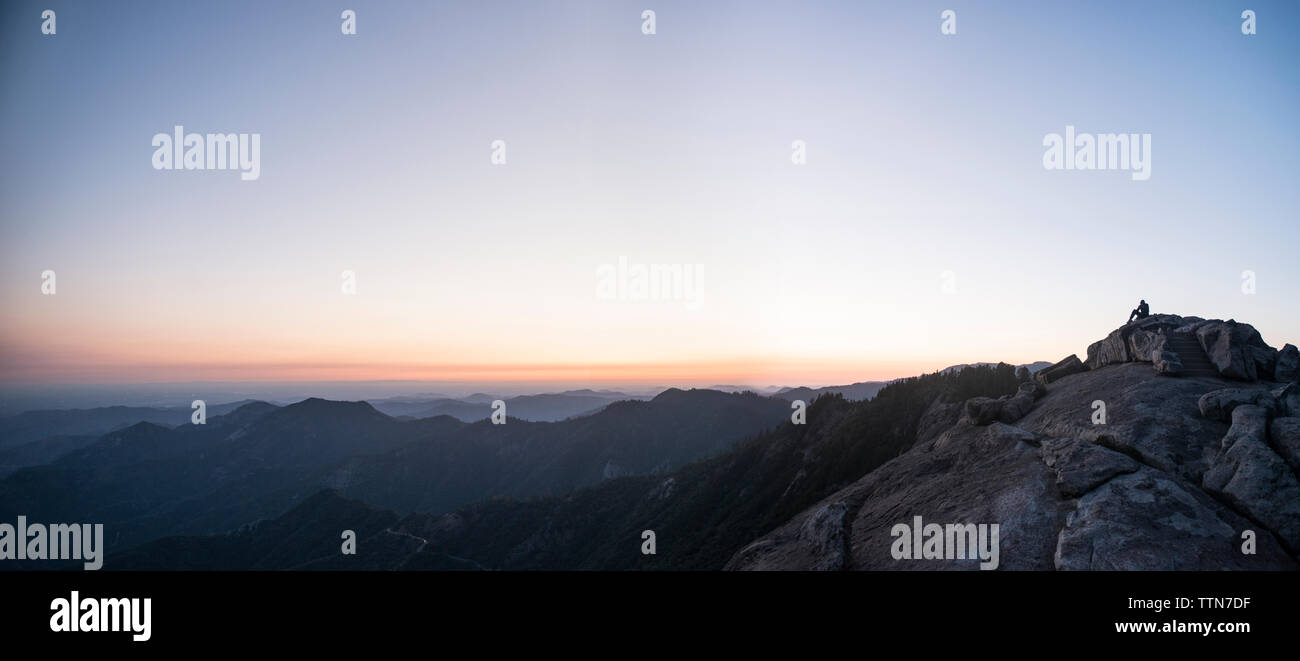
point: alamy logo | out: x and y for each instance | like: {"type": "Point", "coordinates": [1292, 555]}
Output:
{"type": "Point", "coordinates": [90, 614]}
{"type": "Point", "coordinates": [214, 151]}
{"type": "Point", "coordinates": [630, 281]}
{"type": "Point", "coordinates": [955, 541]}
{"type": "Point", "coordinates": [58, 541]}
{"type": "Point", "coordinates": [1104, 151]}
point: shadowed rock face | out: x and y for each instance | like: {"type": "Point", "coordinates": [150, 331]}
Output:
{"type": "Point", "coordinates": [1237, 350]}
{"type": "Point", "coordinates": [1219, 404]}
{"type": "Point", "coordinates": [1153, 419]}
{"type": "Point", "coordinates": [1287, 369]}
{"type": "Point", "coordinates": [1082, 466]}
{"type": "Point", "coordinates": [1166, 362]}
{"type": "Point", "coordinates": [1155, 484]}
{"type": "Point", "coordinates": [1006, 483]}
{"type": "Point", "coordinates": [1254, 478]}
{"type": "Point", "coordinates": [1146, 520]}
{"type": "Point", "coordinates": [1285, 435]}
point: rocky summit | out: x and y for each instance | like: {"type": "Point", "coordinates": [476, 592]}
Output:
{"type": "Point", "coordinates": [1193, 346]}
{"type": "Point", "coordinates": [1175, 445]}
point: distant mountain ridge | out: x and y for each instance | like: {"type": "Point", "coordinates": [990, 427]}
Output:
{"type": "Point", "coordinates": [32, 426]}
{"type": "Point", "coordinates": [853, 392]}
{"type": "Point", "coordinates": [545, 407]}
{"type": "Point", "coordinates": [149, 480]}
{"type": "Point", "coordinates": [523, 458]}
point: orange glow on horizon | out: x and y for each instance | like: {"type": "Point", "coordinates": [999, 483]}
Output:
{"type": "Point", "coordinates": [704, 373]}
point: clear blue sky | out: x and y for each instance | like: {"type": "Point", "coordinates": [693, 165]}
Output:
{"type": "Point", "coordinates": [924, 157]}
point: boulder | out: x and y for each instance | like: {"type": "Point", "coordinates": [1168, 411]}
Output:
{"type": "Point", "coordinates": [1219, 404]}
{"type": "Point", "coordinates": [1287, 367]}
{"type": "Point", "coordinates": [1082, 466]}
{"type": "Point", "coordinates": [1015, 407]}
{"type": "Point", "coordinates": [981, 410]}
{"type": "Point", "coordinates": [1236, 350]}
{"type": "Point", "coordinates": [1034, 388]}
{"type": "Point", "coordinates": [1008, 408]}
{"type": "Point", "coordinates": [1167, 363]}
{"type": "Point", "coordinates": [1252, 478]}
{"type": "Point", "coordinates": [1143, 344]}
{"type": "Point", "coordinates": [1145, 520]}
{"type": "Point", "coordinates": [1063, 368]}
{"type": "Point", "coordinates": [1265, 361]}
{"type": "Point", "coordinates": [1249, 422]}
{"type": "Point", "coordinates": [1109, 350]}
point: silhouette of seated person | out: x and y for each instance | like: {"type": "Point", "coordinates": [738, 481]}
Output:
{"type": "Point", "coordinates": [1142, 312]}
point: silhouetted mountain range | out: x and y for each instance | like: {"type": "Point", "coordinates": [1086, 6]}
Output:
{"type": "Point", "coordinates": [33, 426]}
{"type": "Point", "coordinates": [852, 392]}
{"type": "Point", "coordinates": [523, 458]}
{"type": "Point", "coordinates": [257, 461]}
{"type": "Point", "coordinates": [547, 407]}
{"type": "Point", "coordinates": [702, 512]}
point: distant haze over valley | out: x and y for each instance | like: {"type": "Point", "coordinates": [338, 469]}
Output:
{"type": "Point", "coordinates": [393, 397]}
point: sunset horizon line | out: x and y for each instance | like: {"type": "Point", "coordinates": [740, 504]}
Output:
{"type": "Point", "coordinates": [668, 374]}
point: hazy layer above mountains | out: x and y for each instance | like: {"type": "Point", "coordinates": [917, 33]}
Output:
{"type": "Point", "coordinates": [61, 412]}
{"type": "Point", "coordinates": [389, 396]}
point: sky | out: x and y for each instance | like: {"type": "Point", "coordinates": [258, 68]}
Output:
{"type": "Point", "coordinates": [922, 231]}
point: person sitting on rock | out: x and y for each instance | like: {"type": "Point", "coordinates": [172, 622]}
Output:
{"type": "Point", "coordinates": [1142, 312]}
